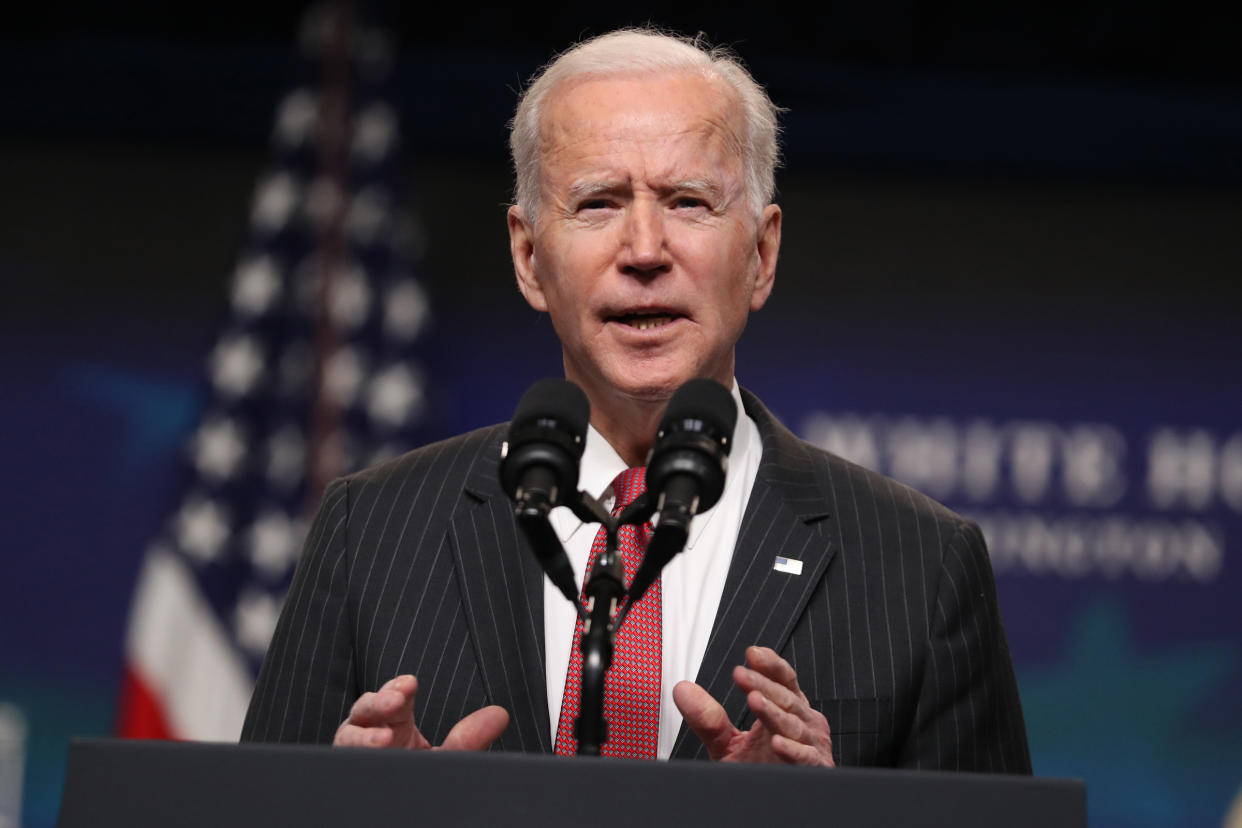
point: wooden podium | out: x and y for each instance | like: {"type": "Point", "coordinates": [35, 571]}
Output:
{"type": "Point", "coordinates": [136, 784]}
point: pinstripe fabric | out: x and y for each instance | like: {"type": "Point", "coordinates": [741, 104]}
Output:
{"type": "Point", "coordinates": [413, 566]}
{"type": "Point", "coordinates": [893, 626]}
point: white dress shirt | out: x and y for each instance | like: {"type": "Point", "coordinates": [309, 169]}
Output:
{"type": "Point", "coordinates": [692, 582]}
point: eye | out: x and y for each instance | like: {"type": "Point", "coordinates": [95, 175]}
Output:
{"type": "Point", "coordinates": [689, 203]}
{"type": "Point", "coordinates": [595, 204]}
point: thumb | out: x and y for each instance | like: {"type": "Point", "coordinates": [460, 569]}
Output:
{"type": "Point", "coordinates": [478, 730]}
{"type": "Point", "coordinates": [705, 717]}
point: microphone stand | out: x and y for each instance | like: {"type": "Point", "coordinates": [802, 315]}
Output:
{"type": "Point", "coordinates": [602, 596]}
{"type": "Point", "coordinates": [604, 592]}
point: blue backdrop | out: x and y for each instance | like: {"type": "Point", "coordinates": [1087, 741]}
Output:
{"type": "Point", "coordinates": [1079, 392]}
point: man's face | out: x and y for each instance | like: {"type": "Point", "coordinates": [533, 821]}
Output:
{"type": "Point", "coordinates": [646, 253]}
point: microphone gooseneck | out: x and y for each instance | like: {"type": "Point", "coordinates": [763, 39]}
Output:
{"type": "Point", "coordinates": [685, 476]}
{"type": "Point", "coordinates": [539, 468]}
{"type": "Point", "coordinates": [686, 470]}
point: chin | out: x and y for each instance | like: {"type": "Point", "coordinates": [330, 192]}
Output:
{"type": "Point", "coordinates": [652, 384]}
{"type": "Point", "coordinates": [652, 393]}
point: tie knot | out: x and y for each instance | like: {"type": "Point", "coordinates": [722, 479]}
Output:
{"type": "Point", "coordinates": [627, 486]}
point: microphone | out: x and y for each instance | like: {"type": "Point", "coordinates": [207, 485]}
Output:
{"type": "Point", "coordinates": [686, 470]}
{"type": "Point", "coordinates": [539, 468]}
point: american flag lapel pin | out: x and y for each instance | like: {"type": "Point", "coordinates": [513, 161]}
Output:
{"type": "Point", "coordinates": [790, 566]}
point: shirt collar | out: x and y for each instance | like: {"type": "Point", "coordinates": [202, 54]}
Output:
{"type": "Point", "coordinates": [601, 464]}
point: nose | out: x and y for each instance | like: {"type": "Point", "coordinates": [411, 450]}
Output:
{"type": "Point", "coordinates": [644, 251]}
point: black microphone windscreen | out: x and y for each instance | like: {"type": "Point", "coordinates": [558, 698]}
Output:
{"type": "Point", "coordinates": [556, 399]}
{"type": "Point", "coordinates": [706, 400]}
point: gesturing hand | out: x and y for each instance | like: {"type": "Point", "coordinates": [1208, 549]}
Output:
{"type": "Point", "coordinates": [787, 729]}
{"type": "Point", "coordinates": [386, 719]}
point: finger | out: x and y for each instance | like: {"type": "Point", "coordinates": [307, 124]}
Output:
{"type": "Point", "coordinates": [705, 717]}
{"type": "Point", "coordinates": [348, 735]}
{"type": "Point", "coordinates": [394, 701]}
{"type": "Point", "coordinates": [777, 721]}
{"type": "Point", "coordinates": [478, 730]}
{"type": "Point", "coordinates": [751, 680]}
{"type": "Point", "coordinates": [811, 729]}
{"type": "Point", "coordinates": [796, 753]}
{"type": "Point", "coordinates": [765, 660]}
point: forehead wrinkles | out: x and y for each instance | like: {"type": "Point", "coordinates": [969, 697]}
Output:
{"type": "Point", "coordinates": [573, 129]}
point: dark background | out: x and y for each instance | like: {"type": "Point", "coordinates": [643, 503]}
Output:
{"type": "Point", "coordinates": [1027, 212]}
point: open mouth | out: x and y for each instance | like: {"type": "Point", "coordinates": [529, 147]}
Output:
{"type": "Point", "coordinates": [645, 321]}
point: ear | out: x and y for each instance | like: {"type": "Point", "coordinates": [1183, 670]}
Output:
{"type": "Point", "coordinates": [768, 247]}
{"type": "Point", "coordinates": [522, 249]}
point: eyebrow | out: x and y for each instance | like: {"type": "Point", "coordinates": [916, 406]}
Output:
{"type": "Point", "coordinates": [587, 189]}
{"type": "Point", "coordinates": [695, 185]}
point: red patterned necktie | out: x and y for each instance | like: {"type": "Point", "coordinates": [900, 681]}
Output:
{"type": "Point", "coordinates": [632, 687]}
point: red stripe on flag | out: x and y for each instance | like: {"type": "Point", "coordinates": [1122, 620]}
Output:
{"type": "Point", "coordinates": [141, 714]}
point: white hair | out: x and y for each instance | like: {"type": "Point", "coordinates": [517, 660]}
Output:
{"type": "Point", "coordinates": [648, 51]}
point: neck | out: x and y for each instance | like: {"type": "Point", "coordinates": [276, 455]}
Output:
{"type": "Point", "coordinates": [629, 425]}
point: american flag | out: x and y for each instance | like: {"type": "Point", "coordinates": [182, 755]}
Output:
{"type": "Point", "coordinates": [316, 372]}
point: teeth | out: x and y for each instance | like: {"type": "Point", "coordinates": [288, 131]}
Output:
{"type": "Point", "coordinates": [643, 323]}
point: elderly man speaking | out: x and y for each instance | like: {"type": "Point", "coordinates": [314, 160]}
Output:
{"type": "Point", "coordinates": [821, 614]}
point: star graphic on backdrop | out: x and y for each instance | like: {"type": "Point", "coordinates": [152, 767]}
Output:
{"type": "Point", "coordinates": [256, 287]}
{"type": "Point", "coordinates": [219, 447]}
{"type": "Point", "coordinates": [273, 543]}
{"type": "Point", "coordinates": [156, 412]}
{"type": "Point", "coordinates": [1118, 717]}
{"type": "Point", "coordinates": [236, 365]}
{"type": "Point", "coordinates": [395, 396]}
{"type": "Point", "coordinates": [275, 202]}
{"type": "Point", "coordinates": [255, 619]}
{"type": "Point", "coordinates": [405, 311]}
{"type": "Point", "coordinates": [202, 527]}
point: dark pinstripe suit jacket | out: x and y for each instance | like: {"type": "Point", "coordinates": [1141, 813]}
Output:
{"type": "Point", "coordinates": [416, 566]}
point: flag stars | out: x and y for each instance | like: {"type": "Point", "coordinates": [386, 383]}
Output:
{"type": "Point", "coordinates": [374, 48]}
{"type": "Point", "coordinates": [296, 364]}
{"type": "Point", "coordinates": [286, 457]}
{"type": "Point", "coordinates": [306, 283]}
{"type": "Point", "coordinates": [368, 216]}
{"type": "Point", "coordinates": [326, 201]}
{"type": "Point", "coordinates": [275, 202]}
{"type": "Point", "coordinates": [375, 129]}
{"type": "Point", "coordinates": [255, 619]}
{"type": "Point", "coordinates": [295, 122]}
{"type": "Point", "coordinates": [351, 297]}
{"type": "Point", "coordinates": [343, 376]}
{"type": "Point", "coordinates": [219, 448]}
{"type": "Point", "coordinates": [236, 365]}
{"type": "Point", "coordinates": [256, 287]}
{"type": "Point", "coordinates": [395, 396]}
{"type": "Point", "coordinates": [202, 527]}
{"type": "Point", "coordinates": [274, 540]}
{"type": "Point", "coordinates": [384, 453]}
{"type": "Point", "coordinates": [405, 310]}
{"type": "Point", "coordinates": [337, 453]}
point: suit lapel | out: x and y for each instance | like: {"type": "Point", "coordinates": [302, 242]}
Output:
{"type": "Point", "coordinates": [502, 593]}
{"type": "Point", "coordinates": [759, 604]}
